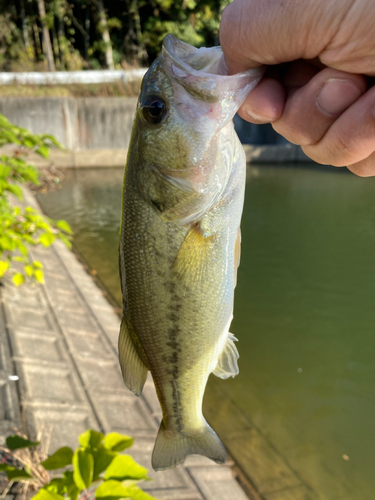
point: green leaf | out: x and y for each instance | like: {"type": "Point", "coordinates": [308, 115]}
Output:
{"type": "Point", "coordinates": [18, 279]}
{"type": "Point", "coordinates": [39, 276]}
{"type": "Point", "coordinates": [38, 264]}
{"type": "Point", "coordinates": [117, 442]}
{"type": "Point", "coordinates": [83, 464]}
{"type": "Point", "coordinates": [90, 438]}
{"type": "Point", "coordinates": [56, 485]}
{"type": "Point", "coordinates": [29, 270]}
{"type": "Point", "coordinates": [137, 493]}
{"type": "Point", "coordinates": [22, 248]}
{"type": "Point", "coordinates": [65, 240]}
{"type": "Point", "coordinates": [43, 151]}
{"type": "Point", "coordinates": [111, 490]}
{"type": "Point", "coordinates": [46, 239]}
{"type": "Point", "coordinates": [61, 458]}
{"type": "Point", "coordinates": [16, 190]}
{"type": "Point", "coordinates": [102, 458]}
{"type": "Point", "coordinates": [125, 467]}
{"type": "Point", "coordinates": [19, 475]}
{"type": "Point", "coordinates": [71, 488]}
{"type": "Point", "coordinates": [16, 442]}
{"type": "Point", "coordinates": [7, 467]}
{"type": "Point", "coordinates": [64, 226]}
{"type": "Point", "coordinates": [29, 143]}
{"type": "Point", "coordinates": [4, 266]}
{"type": "Point", "coordinates": [44, 494]}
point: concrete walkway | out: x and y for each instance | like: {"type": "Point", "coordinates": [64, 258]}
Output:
{"type": "Point", "coordinates": [60, 339]}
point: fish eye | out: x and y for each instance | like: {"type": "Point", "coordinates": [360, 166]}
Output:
{"type": "Point", "coordinates": [154, 109]}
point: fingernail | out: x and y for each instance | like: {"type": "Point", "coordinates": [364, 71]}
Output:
{"type": "Point", "coordinates": [254, 117]}
{"type": "Point", "coordinates": [337, 95]}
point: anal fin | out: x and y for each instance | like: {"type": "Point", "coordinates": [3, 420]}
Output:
{"type": "Point", "coordinates": [227, 365]}
{"type": "Point", "coordinates": [133, 369]}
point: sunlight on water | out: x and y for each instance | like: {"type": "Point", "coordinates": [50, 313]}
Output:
{"type": "Point", "coordinates": [304, 316]}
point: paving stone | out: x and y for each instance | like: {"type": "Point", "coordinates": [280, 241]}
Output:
{"type": "Point", "coordinates": [111, 334]}
{"type": "Point", "coordinates": [103, 377]}
{"type": "Point", "coordinates": [63, 424]}
{"type": "Point", "coordinates": [32, 297]}
{"type": "Point", "coordinates": [77, 318]}
{"type": "Point", "coordinates": [107, 321]}
{"type": "Point", "coordinates": [59, 282]}
{"type": "Point", "coordinates": [149, 394]}
{"type": "Point", "coordinates": [268, 470]}
{"type": "Point", "coordinates": [300, 492]}
{"type": "Point", "coordinates": [37, 347]}
{"type": "Point", "coordinates": [97, 301]}
{"type": "Point", "coordinates": [201, 461]}
{"type": "Point", "coordinates": [168, 485]}
{"type": "Point", "coordinates": [63, 300]}
{"type": "Point", "coordinates": [10, 417]}
{"type": "Point", "coordinates": [28, 317]}
{"type": "Point", "coordinates": [4, 353]}
{"type": "Point", "coordinates": [63, 337]}
{"type": "Point", "coordinates": [126, 414]}
{"type": "Point", "coordinates": [41, 332]}
{"type": "Point", "coordinates": [45, 382]}
{"type": "Point", "coordinates": [78, 330]}
{"type": "Point", "coordinates": [89, 346]}
{"type": "Point", "coordinates": [5, 399]}
{"type": "Point", "coordinates": [216, 483]}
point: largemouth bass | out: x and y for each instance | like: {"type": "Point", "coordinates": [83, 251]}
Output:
{"type": "Point", "coordinates": [180, 241]}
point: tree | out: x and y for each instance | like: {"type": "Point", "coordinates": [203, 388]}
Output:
{"type": "Point", "coordinates": [76, 34]}
{"type": "Point", "coordinates": [103, 28]}
{"type": "Point", "coordinates": [46, 37]}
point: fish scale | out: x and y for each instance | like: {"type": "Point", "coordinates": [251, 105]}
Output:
{"type": "Point", "coordinates": [179, 243]}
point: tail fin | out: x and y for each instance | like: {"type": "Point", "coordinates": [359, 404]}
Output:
{"type": "Point", "coordinates": [171, 448]}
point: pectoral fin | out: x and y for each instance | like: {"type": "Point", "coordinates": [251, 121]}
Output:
{"type": "Point", "coordinates": [227, 363]}
{"type": "Point", "coordinates": [133, 369]}
{"type": "Point", "coordinates": [194, 255]}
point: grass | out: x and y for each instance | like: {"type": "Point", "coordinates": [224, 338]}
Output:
{"type": "Point", "coordinates": [113, 89]}
{"type": "Point", "coordinates": [29, 458]}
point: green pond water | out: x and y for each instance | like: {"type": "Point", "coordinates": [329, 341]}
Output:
{"type": "Point", "coordinates": [304, 317]}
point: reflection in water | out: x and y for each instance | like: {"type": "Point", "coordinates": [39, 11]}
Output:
{"type": "Point", "coordinates": [304, 316]}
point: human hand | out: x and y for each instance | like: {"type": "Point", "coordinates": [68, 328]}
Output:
{"type": "Point", "coordinates": [316, 91]}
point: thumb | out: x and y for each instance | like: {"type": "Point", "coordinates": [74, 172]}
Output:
{"type": "Point", "coordinates": [256, 32]}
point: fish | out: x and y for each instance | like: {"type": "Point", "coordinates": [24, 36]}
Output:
{"type": "Point", "coordinates": [180, 237]}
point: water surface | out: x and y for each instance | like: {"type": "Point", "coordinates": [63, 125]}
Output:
{"type": "Point", "coordinates": [304, 317]}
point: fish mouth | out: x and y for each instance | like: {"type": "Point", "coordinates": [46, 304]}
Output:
{"type": "Point", "coordinates": [196, 62]}
{"type": "Point", "coordinates": [202, 73]}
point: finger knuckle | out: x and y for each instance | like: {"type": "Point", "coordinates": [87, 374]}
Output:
{"type": "Point", "coordinates": [337, 152]}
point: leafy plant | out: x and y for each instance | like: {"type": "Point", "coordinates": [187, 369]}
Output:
{"type": "Point", "coordinates": [95, 469]}
{"type": "Point", "coordinates": [23, 227]}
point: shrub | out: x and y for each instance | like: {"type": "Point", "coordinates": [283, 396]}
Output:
{"type": "Point", "coordinates": [95, 468]}
{"type": "Point", "coordinates": [23, 227]}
